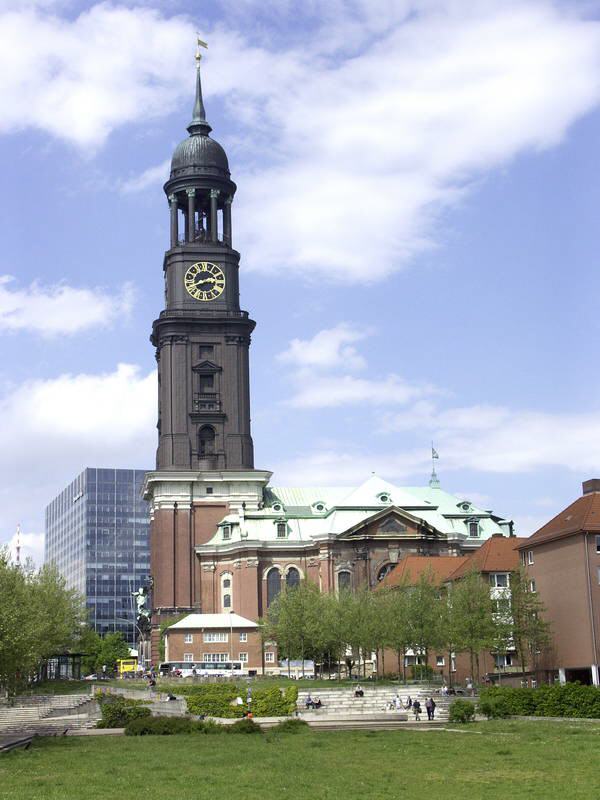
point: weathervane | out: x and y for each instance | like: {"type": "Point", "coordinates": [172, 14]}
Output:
{"type": "Point", "coordinates": [434, 482]}
{"type": "Point", "coordinates": [200, 44]}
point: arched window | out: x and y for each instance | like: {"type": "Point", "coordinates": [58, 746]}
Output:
{"type": "Point", "coordinates": [292, 578]}
{"type": "Point", "coordinates": [384, 571]}
{"type": "Point", "coordinates": [273, 585]}
{"type": "Point", "coordinates": [226, 591]}
{"type": "Point", "coordinates": [344, 580]}
{"type": "Point", "coordinates": [206, 441]}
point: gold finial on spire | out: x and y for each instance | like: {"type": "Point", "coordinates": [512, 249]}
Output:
{"type": "Point", "coordinates": [200, 44]}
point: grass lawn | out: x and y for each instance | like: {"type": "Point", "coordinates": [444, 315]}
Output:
{"type": "Point", "coordinates": [58, 687]}
{"type": "Point", "coordinates": [530, 760]}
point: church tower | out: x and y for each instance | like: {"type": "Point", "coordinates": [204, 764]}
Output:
{"type": "Point", "coordinates": [202, 337]}
{"type": "Point", "coordinates": [205, 459]}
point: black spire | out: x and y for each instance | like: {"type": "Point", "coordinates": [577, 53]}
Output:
{"type": "Point", "coordinates": [199, 125]}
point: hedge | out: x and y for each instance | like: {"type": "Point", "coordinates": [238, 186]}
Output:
{"type": "Point", "coordinates": [218, 700]}
{"type": "Point", "coordinates": [170, 726]}
{"type": "Point", "coordinates": [557, 700]}
{"type": "Point", "coordinates": [173, 726]}
{"type": "Point", "coordinates": [118, 711]}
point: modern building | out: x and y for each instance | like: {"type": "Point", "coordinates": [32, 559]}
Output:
{"type": "Point", "coordinates": [222, 539]}
{"type": "Point", "coordinates": [97, 535]}
{"type": "Point", "coordinates": [563, 560]}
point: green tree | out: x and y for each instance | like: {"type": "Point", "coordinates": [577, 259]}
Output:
{"type": "Point", "coordinates": [399, 632]}
{"type": "Point", "coordinates": [530, 633]}
{"type": "Point", "coordinates": [472, 625]}
{"type": "Point", "coordinates": [39, 617]}
{"type": "Point", "coordinates": [113, 647]}
{"type": "Point", "coordinates": [425, 607]}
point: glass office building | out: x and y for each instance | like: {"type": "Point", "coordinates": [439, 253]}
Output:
{"type": "Point", "coordinates": [98, 536]}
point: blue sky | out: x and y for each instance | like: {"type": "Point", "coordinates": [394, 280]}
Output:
{"type": "Point", "coordinates": [418, 185]}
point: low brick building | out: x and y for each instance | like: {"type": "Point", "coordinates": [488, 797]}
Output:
{"type": "Point", "coordinates": [219, 639]}
{"type": "Point", "coordinates": [563, 560]}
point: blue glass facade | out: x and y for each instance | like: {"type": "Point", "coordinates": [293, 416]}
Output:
{"type": "Point", "coordinates": [98, 535]}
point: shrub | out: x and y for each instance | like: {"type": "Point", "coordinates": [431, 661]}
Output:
{"type": "Point", "coordinates": [118, 711]}
{"type": "Point", "coordinates": [171, 726]}
{"type": "Point", "coordinates": [274, 702]}
{"type": "Point", "coordinates": [217, 700]}
{"type": "Point", "coordinates": [208, 727]}
{"type": "Point", "coordinates": [461, 711]}
{"type": "Point", "coordinates": [567, 700]}
{"type": "Point", "coordinates": [294, 725]}
{"type": "Point", "coordinates": [244, 726]}
{"type": "Point", "coordinates": [158, 726]}
{"type": "Point", "coordinates": [494, 707]}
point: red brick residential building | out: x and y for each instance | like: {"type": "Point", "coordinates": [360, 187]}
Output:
{"type": "Point", "coordinates": [494, 561]}
{"type": "Point", "coordinates": [563, 560]}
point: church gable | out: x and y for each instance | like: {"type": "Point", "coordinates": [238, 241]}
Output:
{"type": "Point", "coordinates": [390, 523]}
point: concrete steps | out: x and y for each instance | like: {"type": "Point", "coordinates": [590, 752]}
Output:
{"type": "Point", "coordinates": [341, 704]}
{"type": "Point", "coordinates": [47, 712]}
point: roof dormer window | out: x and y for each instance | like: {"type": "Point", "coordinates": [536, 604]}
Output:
{"type": "Point", "coordinates": [318, 507]}
{"type": "Point", "coordinates": [282, 530]}
{"type": "Point", "coordinates": [277, 507]}
{"type": "Point", "coordinates": [384, 498]}
{"type": "Point", "coordinates": [226, 532]}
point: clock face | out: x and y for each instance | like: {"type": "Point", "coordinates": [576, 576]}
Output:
{"type": "Point", "coordinates": [204, 281]}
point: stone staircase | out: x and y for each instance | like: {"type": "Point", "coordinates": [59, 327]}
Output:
{"type": "Point", "coordinates": [341, 709]}
{"type": "Point", "coordinates": [47, 714]}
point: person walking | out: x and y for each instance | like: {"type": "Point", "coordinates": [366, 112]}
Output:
{"type": "Point", "coordinates": [430, 708]}
{"type": "Point", "coordinates": [416, 707]}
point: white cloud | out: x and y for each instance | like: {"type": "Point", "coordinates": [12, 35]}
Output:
{"type": "Point", "coordinates": [501, 439]}
{"type": "Point", "coordinates": [150, 177]}
{"type": "Point", "coordinates": [79, 78]}
{"type": "Point", "coordinates": [331, 347]}
{"type": "Point", "coordinates": [320, 381]}
{"type": "Point", "coordinates": [362, 132]}
{"type": "Point", "coordinates": [323, 391]}
{"type": "Point", "coordinates": [52, 429]}
{"type": "Point", "coordinates": [59, 309]}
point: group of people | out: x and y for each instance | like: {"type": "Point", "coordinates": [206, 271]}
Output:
{"type": "Point", "coordinates": [313, 702]}
{"type": "Point", "coordinates": [397, 704]}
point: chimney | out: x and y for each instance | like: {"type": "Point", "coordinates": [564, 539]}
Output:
{"type": "Point", "coordinates": [593, 485]}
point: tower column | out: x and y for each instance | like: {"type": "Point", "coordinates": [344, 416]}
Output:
{"type": "Point", "coordinates": [227, 221]}
{"type": "Point", "coordinates": [191, 215]}
{"type": "Point", "coordinates": [174, 226]}
{"type": "Point", "coordinates": [214, 228]}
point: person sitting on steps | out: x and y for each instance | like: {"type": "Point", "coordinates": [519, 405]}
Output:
{"type": "Point", "coordinates": [310, 703]}
{"type": "Point", "coordinates": [359, 691]}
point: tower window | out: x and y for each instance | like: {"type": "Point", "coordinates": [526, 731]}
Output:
{"type": "Point", "coordinates": [281, 530]}
{"type": "Point", "coordinates": [226, 601]}
{"type": "Point", "coordinates": [207, 383]}
{"type": "Point", "coordinates": [206, 441]}
{"type": "Point", "coordinates": [206, 351]}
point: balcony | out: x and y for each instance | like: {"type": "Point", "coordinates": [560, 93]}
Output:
{"type": "Point", "coordinates": [207, 401]}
